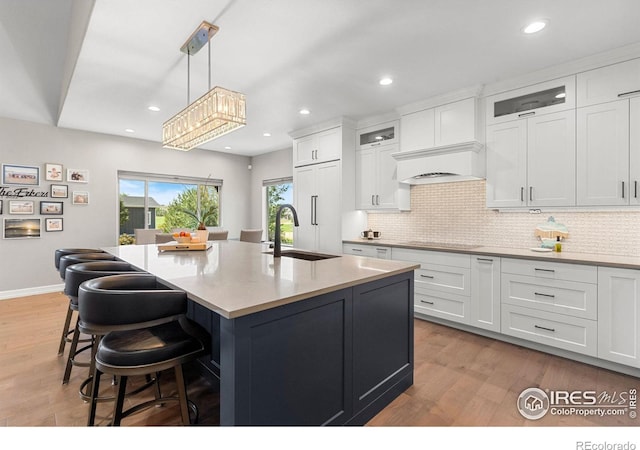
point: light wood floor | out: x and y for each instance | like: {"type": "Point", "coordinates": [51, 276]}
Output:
{"type": "Point", "coordinates": [460, 379]}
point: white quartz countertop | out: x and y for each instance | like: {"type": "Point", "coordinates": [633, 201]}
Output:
{"type": "Point", "coordinates": [235, 278]}
{"type": "Point", "coordinates": [625, 262]}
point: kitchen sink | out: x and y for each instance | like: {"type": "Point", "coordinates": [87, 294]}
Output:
{"type": "Point", "coordinates": [307, 256]}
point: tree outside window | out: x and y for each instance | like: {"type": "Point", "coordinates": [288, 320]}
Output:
{"type": "Point", "coordinates": [277, 194]}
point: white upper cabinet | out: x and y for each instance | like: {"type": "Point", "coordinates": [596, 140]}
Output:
{"type": "Point", "coordinates": [603, 154]}
{"type": "Point", "coordinates": [447, 124]}
{"type": "Point", "coordinates": [377, 185]}
{"type": "Point", "coordinates": [318, 147]}
{"type": "Point", "coordinates": [609, 83]}
{"type": "Point", "coordinates": [531, 162]}
{"type": "Point", "coordinates": [542, 98]}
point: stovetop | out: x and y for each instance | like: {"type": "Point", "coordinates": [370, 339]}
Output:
{"type": "Point", "coordinates": [443, 245]}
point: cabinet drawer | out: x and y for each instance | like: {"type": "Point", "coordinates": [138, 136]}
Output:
{"type": "Point", "coordinates": [551, 270]}
{"type": "Point", "coordinates": [454, 280]}
{"type": "Point", "coordinates": [559, 296]}
{"type": "Point", "coordinates": [431, 257]}
{"type": "Point", "coordinates": [372, 251]}
{"type": "Point", "coordinates": [556, 330]}
{"type": "Point", "coordinates": [440, 304]}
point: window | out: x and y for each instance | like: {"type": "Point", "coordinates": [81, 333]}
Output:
{"type": "Point", "coordinates": [278, 192]}
{"type": "Point", "coordinates": [167, 202]}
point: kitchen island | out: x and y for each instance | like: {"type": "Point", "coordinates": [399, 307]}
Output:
{"type": "Point", "coordinates": [295, 342]}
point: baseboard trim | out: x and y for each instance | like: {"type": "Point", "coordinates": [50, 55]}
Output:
{"type": "Point", "coordinates": [4, 295]}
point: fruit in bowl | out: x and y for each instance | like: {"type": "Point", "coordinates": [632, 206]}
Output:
{"type": "Point", "coordinates": [182, 237]}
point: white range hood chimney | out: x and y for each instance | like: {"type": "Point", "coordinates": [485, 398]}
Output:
{"type": "Point", "coordinates": [455, 162]}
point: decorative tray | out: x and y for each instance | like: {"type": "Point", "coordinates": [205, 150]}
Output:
{"type": "Point", "coordinates": [176, 246]}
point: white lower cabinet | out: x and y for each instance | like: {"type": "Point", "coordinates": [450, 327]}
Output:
{"type": "Point", "coordinates": [619, 315]}
{"type": "Point", "coordinates": [372, 251]}
{"type": "Point", "coordinates": [442, 283]}
{"type": "Point", "coordinates": [484, 308]}
{"type": "Point", "coordinates": [551, 303]}
{"type": "Point", "coordinates": [556, 330]}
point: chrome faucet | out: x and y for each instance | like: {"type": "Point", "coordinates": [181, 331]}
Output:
{"type": "Point", "coordinates": [277, 244]}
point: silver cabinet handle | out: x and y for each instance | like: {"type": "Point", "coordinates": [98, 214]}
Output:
{"type": "Point", "coordinates": [356, 249]}
{"type": "Point", "coordinates": [544, 270]}
{"type": "Point", "coordinates": [530, 193]}
{"type": "Point", "coordinates": [544, 295]}
{"type": "Point", "coordinates": [428, 303]}
{"type": "Point", "coordinates": [484, 260]}
{"type": "Point", "coordinates": [545, 328]}
{"type": "Point", "coordinates": [629, 93]}
{"type": "Point", "coordinates": [375, 143]}
{"type": "Point", "coordinates": [377, 200]}
{"type": "Point", "coordinates": [531, 113]}
{"type": "Point", "coordinates": [522, 194]}
{"type": "Point", "coordinates": [635, 189]}
{"type": "Point", "coordinates": [623, 189]}
{"type": "Point", "coordinates": [431, 277]}
{"type": "Point", "coordinates": [373, 202]}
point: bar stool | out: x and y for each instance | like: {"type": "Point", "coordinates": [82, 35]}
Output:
{"type": "Point", "coordinates": [75, 275]}
{"type": "Point", "coordinates": [67, 331]}
{"type": "Point", "coordinates": [146, 332]}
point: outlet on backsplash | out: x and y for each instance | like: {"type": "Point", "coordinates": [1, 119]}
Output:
{"type": "Point", "coordinates": [456, 213]}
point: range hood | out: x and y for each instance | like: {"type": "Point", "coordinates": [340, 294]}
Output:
{"type": "Point", "coordinates": [455, 162]}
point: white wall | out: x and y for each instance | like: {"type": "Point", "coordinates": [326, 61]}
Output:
{"type": "Point", "coordinates": [269, 166]}
{"type": "Point", "coordinates": [26, 265]}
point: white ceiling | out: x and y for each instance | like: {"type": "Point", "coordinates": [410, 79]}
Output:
{"type": "Point", "coordinates": [97, 65]}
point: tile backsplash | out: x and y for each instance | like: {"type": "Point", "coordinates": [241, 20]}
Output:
{"type": "Point", "coordinates": [456, 213]}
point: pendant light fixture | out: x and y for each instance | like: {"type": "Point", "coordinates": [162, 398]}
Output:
{"type": "Point", "coordinates": [216, 113]}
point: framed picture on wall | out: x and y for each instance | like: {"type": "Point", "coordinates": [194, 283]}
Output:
{"type": "Point", "coordinates": [52, 208]}
{"type": "Point", "coordinates": [80, 198]}
{"type": "Point", "coordinates": [53, 224]}
{"type": "Point", "coordinates": [77, 176]}
{"type": "Point", "coordinates": [24, 175]}
{"type": "Point", "coordinates": [59, 191]}
{"type": "Point", "coordinates": [21, 228]}
{"type": "Point", "coordinates": [53, 172]}
{"type": "Point", "coordinates": [21, 207]}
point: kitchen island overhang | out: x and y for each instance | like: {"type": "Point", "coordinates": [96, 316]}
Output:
{"type": "Point", "coordinates": [297, 342]}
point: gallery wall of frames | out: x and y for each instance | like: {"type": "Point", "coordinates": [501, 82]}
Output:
{"type": "Point", "coordinates": [33, 198]}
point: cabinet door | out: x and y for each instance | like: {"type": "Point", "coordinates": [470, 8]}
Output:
{"type": "Point", "coordinates": [389, 191]}
{"type": "Point", "coordinates": [366, 178]}
{"type": "Point", "coordinates": [608, 83]}
{"type": "Point", "coordinates": [328, 207]}
{"type": "Point", "coordinates": [455, 122]}
{"type": "Point", "coordinates": [619, 315]}
{"type": "Point", "coordinates": [603, 154]}
{"type": "Point", "coordinates": [506, 164]}
{"type": "Point", "coordinates": [551, 159]}
{"type": "Point", "coordinates": [634, 151]}
{"type": "Point", "coordinates": [329, 145]}
{"type": "Point", "coordinates": [304, 150]}
{"type": "Point", "coordinates": [304, 235]}
{"type": "Point", "coordinates": [484, 310]}
{"type": "Point", "coordinates": [417, 130]}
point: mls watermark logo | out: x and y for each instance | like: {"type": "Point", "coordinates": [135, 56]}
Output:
{"type": "Point", "coordinates": [534, 403]}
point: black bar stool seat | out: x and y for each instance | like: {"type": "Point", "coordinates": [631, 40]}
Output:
{"type": "Point", "coordinates": [75, 275]}
{"type": "Point", "coordinates": [147, 332]}
{"type": "Point", "coordinates": [65, 257]}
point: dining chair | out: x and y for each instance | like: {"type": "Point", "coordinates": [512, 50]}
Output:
{"type": "Point", "coordinates": [249, 235]}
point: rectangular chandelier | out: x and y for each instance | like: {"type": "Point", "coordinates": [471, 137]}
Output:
{"type": "Point", "coordinates": [215, 114]}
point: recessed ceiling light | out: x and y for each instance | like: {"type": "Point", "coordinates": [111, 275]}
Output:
{"type": "Point", "coordinates": [378, 138]}
{"type": "Point", "coordinates": [534, 27]}
{"type": "Point", "coordinates": [385, 81]}
{"type": "Point", "coordinates": [305, 111]}
{"type": "Point", "coordinates": [227, 148]}
{"type": "Point", "coordinates": [153, 108]}
{"type": "Point", "coordinates": [130, 130]}
{"type": "Point", "coordinates": [561, 95]}
{"type": "Point", "coordinates": [266, 134]}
